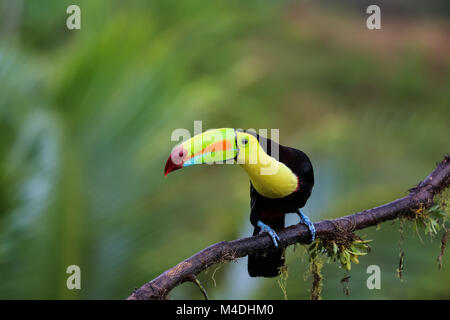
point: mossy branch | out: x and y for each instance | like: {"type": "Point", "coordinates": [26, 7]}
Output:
{"type": "Point", "coordinates": [419, 197]}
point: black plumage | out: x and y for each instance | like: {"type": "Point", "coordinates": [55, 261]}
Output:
{"type": "Point", "coordinates": [272, 211]}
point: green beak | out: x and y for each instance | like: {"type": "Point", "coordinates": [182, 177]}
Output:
{"type": "Point", "coordinates": [212, 146]}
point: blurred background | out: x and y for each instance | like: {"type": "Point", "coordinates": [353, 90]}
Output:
{"type": "Point", "coordinates": [86, 118]}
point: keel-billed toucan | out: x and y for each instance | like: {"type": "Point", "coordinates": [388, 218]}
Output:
{"type": "Point", "coordinates": [281, 180]}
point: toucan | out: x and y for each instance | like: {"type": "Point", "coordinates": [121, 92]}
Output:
{"type": "Point", "coordinates": [281, 181]}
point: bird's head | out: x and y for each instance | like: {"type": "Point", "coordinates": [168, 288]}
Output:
{"type": "Point", "coordinates": [225, 145]}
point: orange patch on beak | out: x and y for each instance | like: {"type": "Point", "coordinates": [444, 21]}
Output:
{"type": "Point", "coordinates": [217, 146]}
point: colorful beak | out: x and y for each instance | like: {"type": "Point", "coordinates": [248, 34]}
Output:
{"type": "Point", "coordinates": [212, 146]}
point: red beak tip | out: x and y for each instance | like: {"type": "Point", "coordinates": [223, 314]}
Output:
{"type": "Point", "coordinates": [171, 166]}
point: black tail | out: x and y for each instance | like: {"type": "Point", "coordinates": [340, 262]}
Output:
{"type": "Point", "coordinates": [267, 264]}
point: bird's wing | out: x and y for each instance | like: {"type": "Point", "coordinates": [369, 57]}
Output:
{"type": "Point", "coordinates": [253, 196]}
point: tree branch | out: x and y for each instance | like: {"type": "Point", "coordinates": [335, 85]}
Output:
{"type": "Point", "coordinates": [420, 196]}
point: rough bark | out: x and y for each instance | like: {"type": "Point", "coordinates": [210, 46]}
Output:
{"type": "Point", "coordinates": [420, 196]}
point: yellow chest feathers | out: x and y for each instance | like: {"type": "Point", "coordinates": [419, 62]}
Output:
{"type": "Point", "coordinates": [271, 178]}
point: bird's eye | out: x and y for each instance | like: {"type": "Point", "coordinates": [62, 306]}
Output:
{"type": "Point", "coordinates": [244, 141]}
{"type": "Point", "coordinates": [181, 154]}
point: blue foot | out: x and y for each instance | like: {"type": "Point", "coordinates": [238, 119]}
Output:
{"type": "Point", "coordinates": [305, 220]}
{"type": "Point", "coordinates": [265, 228]}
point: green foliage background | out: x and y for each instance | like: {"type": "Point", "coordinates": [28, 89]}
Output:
{"type": "Point", "coordinates": [86, 118]}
